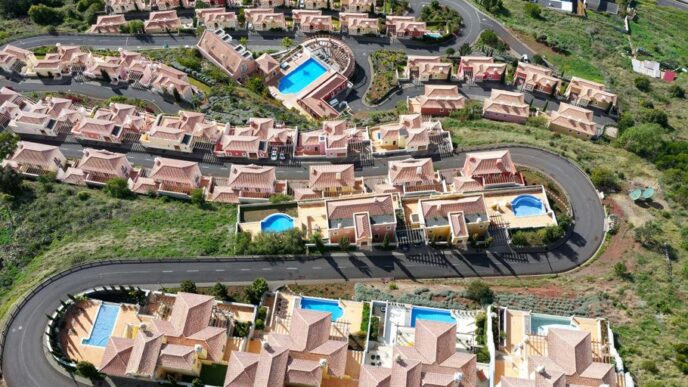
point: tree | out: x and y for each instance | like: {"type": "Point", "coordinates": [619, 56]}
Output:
{"type": "Point", "coordinates": [480, 292]}
{"type": "Point", "coordinates": [465, 49]}
{"type": "Point", "coordinates": [43, 15]}
{"type": "Point", "coordinates": [198, 197]}
{"type": "Point", "coordinates": [254, 292]}
{"type": "Point", "coordinates": [642, 140]}
{"type": "Point", "coordinates": [88, 370]}
{"type": "Point", "coordinates": [538, 59]}
{"type": "Point", "coordinates": [450, 51]}
{"type": "Point", "coordinates": [219, 291]}
{"type": "Point", "coordinates": [287, 42]}
{"type": "Point", "coordinates": [243, 40]}
{"type": "Point", "coordinates": [649, 235]}
{"type": "Point", "coordinates": [118, 188]}
{"type": "Point", "coordinates": [10, 181]}
{"type": "Point", "coordinates": [344, 244]}
{"type": "Point", "coordinates": [493, 6]}
{"type": "Point", "coordinates": [533, 10]}
{"type": "Point", "coordinates": [8, 143]}
{"type": "Point", "coordinates": [604, 179]}
{"type": "Point", "coordinates": [642, 84]}
{"type": "Point", "coordinates": [654, 116]}
{"type": "Point", "coordinates": [625, 121]}
{"type": "Point", "coordinates": [677, 91]}
{"type": "Point", "coordinates": [188, 286]}
{"type": "Point", "coordinates": [135, 27]}
{"type": "Point", "coordinates": [316, 239]}
{"type": "Point", "coordinates": [489, 38]}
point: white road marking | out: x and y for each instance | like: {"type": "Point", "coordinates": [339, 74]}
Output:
{"type": "Point", "coordinates": [266, 269]}
{"type": "Point", "coordinates": [292, 268]}
{"type": "Point", "coordinates": [167, 271]}
{"type": "Point", "coordinates": [192, 271]}
{"type": "Point", "coordinates": [316, 268]}
{"type": "Point", "coordinates": [219, 269]}
{"type": "Point", "coordinates": [245, 269]}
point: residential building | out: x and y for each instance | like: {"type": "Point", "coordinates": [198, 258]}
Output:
{"type": "Point", "coordinates": [573, 120]}
{"type": "Point", "coordinates": [216, 18]}
{"type": "Point", "coordinates": [334, 139]}
{"type": "Point", "coordinates": [431, 359]}
{"type": "Point", "coordinates": [506, 106]}
{"type": "Point", "coordinates": [315, 4]}
{"type": "Point", "coordinates": [169, 177]}
{"type": "Point", "coordinates": [105, 68]}
{"type": "Point", "coordinates": [268, 3]}
{"type": "Point", "coordinates": [451, 219]}
{"type": "Point", "coordinates": [13, 58]}
{"type": "Point", "coordinates": [647, 67]}
{"type": "Point", "coordinates": [36, 123]}
{"type": "Point", "coordinates": [363, 221]}
{"type": "Point", "coordinates": [357, 5]}
{"type": "Point", "coordinates": [49, 67]}
{"type": "Point", "coordinates": [96, 167]}
{"type": "Point", "coordinates": [330, 180]}
{"type": "Point", "coordinates": [33, 159]}
{"type": "Point", "coordinates": [479, 69]}
{"type": "Point", "coordinates": [94, 129]}
{"type": "Point", "coordinates": [317, 102]}
{"type": "Point", "coordinates": [164, 5]}
{"type": "Point", "coordinates": [414, 176]}
{"type": "Point", "coordinates": [108, 24]}
{"type": "Point", "coordinates": [162, 21]}
{"type": "Point", "coordinates": [247, 184]}
{"type": "Point", "coordinates": [233, 58]}
{"type": "Point", "coordinates": [311, 20]}
{"type": "Point", "coordinates": [564, 351]}
{"type": "Point", "coordinates": [530, 77]}
{"type": "Point", "coordinates": [438, 100]}
{"type": "Point", "coordinates": [355, 24]}
{"type": "Point", "coordinates": [163, 137]}
{"type": "Point", "coordinates": [426, 68]}
{"type": "Point", "coordinates": [268, 67]}
{"type": "Point", "coordinates": [264, 19]}
{"type": "Point", "coordinates": [182, 132]}
{"type": "Point", "coordinates": [492, 169]}
{"type": "Point", "coordinates": [124, 6]}
{"type": "Point", "coordinates": [167, 80]}
{"type": "Point", "coordinates": [411, 134]}
{"type": "Point", "coordinates": [405, 27]}
{"type": "Point", "coordinates": [582, 92]}
{"type": "Point", "coordinates": [254, 140]}
{"type": "Point", "coordinates": [129, 117]}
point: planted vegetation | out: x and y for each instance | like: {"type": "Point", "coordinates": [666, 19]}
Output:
{"type": "Point", "coordinates": [385, 66]}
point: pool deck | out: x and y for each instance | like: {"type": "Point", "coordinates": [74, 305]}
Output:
{"type": "Point", "coordinates": [498, 205]}
{"type": "Point", "coordinates": [79, 322]}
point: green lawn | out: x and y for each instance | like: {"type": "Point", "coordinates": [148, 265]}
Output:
{"type": "Point", "coordinates": [55, 230]}
{"type": "Point", "coordinates": [213, 374]}
{"type": "Point", "coordinates": [661, 31]}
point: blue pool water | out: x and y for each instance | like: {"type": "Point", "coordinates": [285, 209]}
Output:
{"type": "Point", "coordinates": [102, 328]}
{"type": "Point", "coordinates": [540, 322]}
{"type": "Point", "coordinates": [527, 205]}
{"type": "Point", "coordinates": [323, 306]}
{"type": "Point", "coordinates": [431, 314]}
{"type": "Point", "coordinates": [434, 35]}
{"type": "Point", "coordinates": [301, 77]}
{"type": "Point", "coordinates": [277, 223]}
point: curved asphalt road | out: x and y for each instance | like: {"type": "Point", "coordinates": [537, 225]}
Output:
{"type": "Point", "coordinates": [25, 363]}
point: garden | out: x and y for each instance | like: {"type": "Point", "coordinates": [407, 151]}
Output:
{"type": "Point", "coordinates": [385, 65]}
{"type": "Point", "coordinates": [441, 18]}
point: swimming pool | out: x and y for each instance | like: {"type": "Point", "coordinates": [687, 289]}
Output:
{"type": "Point", "coordinates": [277, 223]}
{"type": "Point", "coordinates": [434, 35]}
{"type": "Point", "coordinates": [321, 305]}
{"type": "Point", "coordinates": [102, 328]}
{"type": "Point", "coordinates": [301, 77]}
{"type": "Point", "coordinates": [540, 323]}
{"type": "Point", "coordinates": [527, 205]}
{"type": "Point", "coordinates": [441, 315]}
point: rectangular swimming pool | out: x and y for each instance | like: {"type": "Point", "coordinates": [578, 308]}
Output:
{"type": "Point", "coordinates": [301, 77]}
{"type": "Point", "coordinates": [441, 315]}
{"type": "Point", "coordinates": [539, 323]}
{"type": "Point", "coordinates": [330, 306]}
{"type": "Point", "coordinates": [103, 326]}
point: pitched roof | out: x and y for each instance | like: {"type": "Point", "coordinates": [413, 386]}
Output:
{"type": "Point", "coordinates": [373, 205]}
{"type": "Point", "coordinates": [592, 90]}
{"type": "Point", "coordinates": [241, 369]}
{"type": "Point", "coordinates": [103, 161]}
{"type": "Point", "coordinates": [251, 176]}
{"type": "Point", "coordinates": [36, 154]}
{"type": "Point", "coordinates": [213, 339]}
{"type": "Point", "coordinates": [411, 170]}
{"type": "Point", "coordinates": [191, 313]}
{"type": "Point", "coordinates": [473, 207]}
{"type": "Point", "coordinates": [267, 64]}
{"type": "Point", "coordinates": [144, 354]}
{"type": "Point", "coordinates": [116, 356]}
{"type": "Point", "coordinates": [177, 171]}
{"type": "Point", "coordinates": [489, 162]}
{"type": "Point", "coordinates": [177, 357]}
{"type": "Point", "coordinates": [330, 176]}
{"type": "Point", "coordinates": [574, 118]}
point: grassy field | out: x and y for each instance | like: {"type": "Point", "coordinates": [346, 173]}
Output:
{"type": "Point", "coordinates": [54, 230]}
{"type": "Point", "coordinates": [597, 49]}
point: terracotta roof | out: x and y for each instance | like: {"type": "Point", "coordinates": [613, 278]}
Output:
{"type": "Point", "coordinates": [267, 64]}
{"type": "Point", "coordinates": [486, 163]}
{"type": "Point", "coordinates": [225, 54]}
{"type": "Point", "coordinates": [471, 206]}
{"type": "Point", "coordinates": [574, 118]}
{"type": "Point", "coordinates": [375, 376]}
{"type": "Point", "coordinates": [442, 97]}
{"type": "Point", "coordinates": [309, 329]}
{"type": "Point", "coordinates": [175, 171]}
{"type": "Point", "coordinates": [36, 154]}
{"type": "Point", "coordinates": [94, 125]}
{"type": "Point", "coordinates": [191, 313]}
{"type": "Point", "coordinates": [466, 184]}
{"type": "Point", "coordinates": [241, 369]}
{"type": "Point", "coordinates": [592, 91]}
{"type": "Point", "coordinates": [241, 143]}
{"type": "Point", "coordinates": [537, 74]}
{"type": "Point", "coordinates": [483, 65]}
{"type": "Point", "coordinates": [331, 176]}
{"type": "Point", "coordinates": [103, 161]}
{"type": "Point", "coordinates": [162, 19]}
{"type": "Point", "coordinates": [144, 354]}
{"type": "Point", "coordinates": [116, 356]}
{"type": "Point", "coordinates": [346, 208]}
{"type": "Point", "coordinates": [418, 137]}
{"type": "Point", "coordinates": [411, 171]}
{"type": "Point", "coordinates": [272, 366]}
{"type": "Point", "coordinates": [362, 225]}
{"type": "Point", "coordinates": [303, 372]}
{"type": "Point", "coordinates": [252, 176]}
{"type": "Point", "coordinates": [177, 357]}
{"type": "Point", "coordinates": [213, 339]}
{"type": "Point", "coordinates": [506, 102]}
{"type": "Point", "coordinates": [457, 221]}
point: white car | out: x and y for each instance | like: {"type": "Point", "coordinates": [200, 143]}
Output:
{"type": "Point", "coordinates": [273, 156]}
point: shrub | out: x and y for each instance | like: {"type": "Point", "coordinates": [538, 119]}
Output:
{"type": "Point", "coordinates": [392, 286]}
{"type": "Point", "coordinates": [241, 328]}
{"type": "Point", "coordinates": [649, 235]}
{"type": "Point", "coordinates": [604, 179]}
{"type": "Point", "coordinates": [10, 181]}
{"type": "Point", "coordinates": [219, 291]}
{"type": "Point", "coordinates": [365, 317]}
{"type": "Point", "coordinates": [254, 292]}
{"type": "Point", "coordinates": [480, 292]}
{"type": "Point", "coordinates": [88, 370]}
{"type": "Point", "coordinates": [83, 195]}
{"type": "Point", "coordinates": [642, 140]}
{"type": "Point", "coordinates": [642, 84]}
{"type": "Point", "coordinates": [537, 121]}
{"type": "Point", "coordinates": [188, 286]}
{"type": "Point", "coordinates": [197, 197]}
{"type": "Point", "coordinates": [44, 15]}
{"type": "Point", "coordinates": [654, 116]}
{"type": "Point", "coordinates": [118, 188]}
{"type": "Point", "coordinates": [620, 270]}
{"type": "Point", "coordinates": [519, 239]}
{"type": "Point", "coordinates": [280, 198]}
{"type": "Point", "coordinates": [533, 10]}
{"type": "Point", "coordinates": [649, 365]}
{"type": "Point", "coordinates": [344, 244]}
{"type": "Point", "coordinates": [8, 143]}
{"type": "Point", "coordinates": [677, 91]}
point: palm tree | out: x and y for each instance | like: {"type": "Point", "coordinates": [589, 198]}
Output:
{"type": "Point", "coordinates": [287, 42]}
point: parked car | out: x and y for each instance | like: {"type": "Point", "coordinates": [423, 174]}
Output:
{"type": "Point", "coordinates": [273, 156]}
{"type": "Point", "coordinates": [281, 156]}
